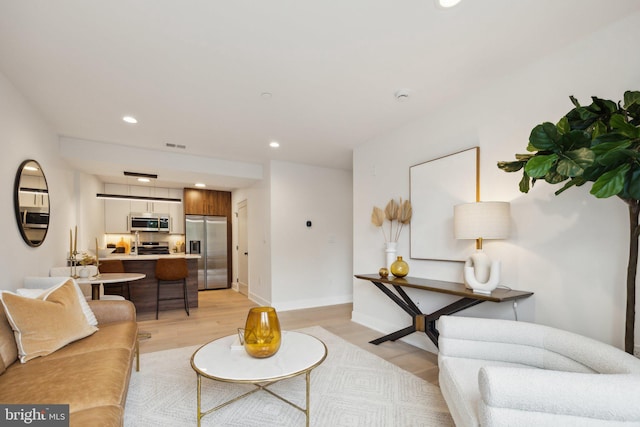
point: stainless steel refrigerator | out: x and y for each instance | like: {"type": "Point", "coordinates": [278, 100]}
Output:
{"type": "Point", "coordinates": [207, 237]}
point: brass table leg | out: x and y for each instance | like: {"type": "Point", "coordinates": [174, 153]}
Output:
{"type": "Point", "coordinates": [260, 386]}
{"type": "Point", "coordinates": [141, 335]}
{"type": "Point", "coordinates": [199, 401]}
{"type": "Point", "coordinates": [306, 410]}
{"type": "Point", "coordinates": [138, 354]}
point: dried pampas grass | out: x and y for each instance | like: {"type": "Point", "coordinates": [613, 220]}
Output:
{"type": "Point", "coordinates": [399, 212]}
{"type": "Point", "coordinates": [405, 212]}
{"type": "Point", "coordinates": [404, 217]}
{"type": "Point", "coordinates": [391, 210]}
{"type": "Point", "coordinates": [377, 217]}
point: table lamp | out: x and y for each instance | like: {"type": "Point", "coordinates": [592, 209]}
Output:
{"type": "Point", "coordinates": [479, 221]}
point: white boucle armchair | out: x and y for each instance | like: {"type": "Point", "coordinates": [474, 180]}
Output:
{"type": "Point", "coordinates": [506, 373]}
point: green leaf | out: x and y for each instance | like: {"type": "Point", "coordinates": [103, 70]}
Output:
{"type": "Point", "coordinates": [553, 177]}
{"type": "Point", "coordinates": [631, 98]}
{"type": "Point", "coordinates": [524, 157]}
{"type": "Point", "coordinates": [615, 157]}
{"type": "Point", "coordinates": [511, 166]}
{"type": "Point", "coordinates": [524, 183]}
{"type": "Point", "coordinates": [606, 147]}
{"type": "Point", "coordinates": [574, 101]}
{"type": "Point", "coordinates": [544, 137]}
{"type": "Point", "coordinates": [588, 113]}
{"type": "Point", "coordinates": [607, 138]}
{"type": "Point", "coordinates": [632, 106]}
{"type": "Point", "coordinates": [577, 181]}
{"type": "Point", "coordinates": [538, 166]}
{"type": "Point", "coordinates": [594, 171]}
{"type": "Point", "coordinates": [574, 140]}
{"type": "Point", "coordinates": [619, 123]}
{"type": "Point", "coordinates": [598, 129]}
{"type": "Point", "coordinates": [610, 183]}
{"type": "Point", "coordinates": [632, 187]}
{"type": "Point", "coordinates": [603, 106]}
{"type": "Point", "coordinates": [563, 126]}
{"type": "Point", "coordinates": [573, 163]}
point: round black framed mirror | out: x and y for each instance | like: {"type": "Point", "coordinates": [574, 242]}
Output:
{"type": "Point", "coordinates": [31, 202]}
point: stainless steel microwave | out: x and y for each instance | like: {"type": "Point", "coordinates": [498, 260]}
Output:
{"type": "Point", "coordinates": [35, 218]}
{"type": "Point", "coordinates": [149, 222]}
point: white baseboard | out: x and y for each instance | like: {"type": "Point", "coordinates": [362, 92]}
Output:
{"type": "Point", "coordinates": [315, 302]}
{"type": "Point", "coordinates": [253, 297]}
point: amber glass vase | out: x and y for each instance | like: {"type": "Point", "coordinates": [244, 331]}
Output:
{"type": "Point", "coordinates": [399, 268]}
{"type": "Point", "coordinates": [262, 332]}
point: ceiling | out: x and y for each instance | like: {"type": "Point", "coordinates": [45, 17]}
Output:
{"type": "Point", "coordinates": [194, 72]}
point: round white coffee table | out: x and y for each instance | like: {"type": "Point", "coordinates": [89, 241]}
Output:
{"type": "Point", "coordinates": [221, 360]}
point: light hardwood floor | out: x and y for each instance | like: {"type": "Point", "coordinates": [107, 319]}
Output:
{"type": "Point", "coordinates": [221, 312]}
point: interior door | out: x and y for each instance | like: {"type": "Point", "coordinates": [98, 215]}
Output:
{"type": "Point", "coordinates": [243, 249]}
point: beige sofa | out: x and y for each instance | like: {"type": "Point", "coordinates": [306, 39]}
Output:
{"type": "Point", "coordinates": [91, 374]}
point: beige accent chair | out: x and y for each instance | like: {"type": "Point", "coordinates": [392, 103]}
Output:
{"type": "Point", "coordinates": [506, 373]}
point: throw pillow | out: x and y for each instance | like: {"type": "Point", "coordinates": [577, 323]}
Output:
{"type": "Point", "coordinates": [48, 323]}
{"type": "Point", "coordinates": [8, 348]}
{"type": "Point", "coordinates": [88, 313]}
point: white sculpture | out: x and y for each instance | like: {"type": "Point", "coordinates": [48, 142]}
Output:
{"type": "Point", "coordinates": [481, 274]}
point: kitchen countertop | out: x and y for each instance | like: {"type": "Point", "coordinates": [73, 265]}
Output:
{"type": "Point", "coordinates": [148, 257]}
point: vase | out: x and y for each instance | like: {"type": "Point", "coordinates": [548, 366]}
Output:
{"type": "Point", "coordinates": [83, 272]}
{"type": "Point", "coordinates": [390, 251]}
{"type": "Point", "coordinates": [262, 333]}
{"type": "Point", "coordinates": [399, 268]}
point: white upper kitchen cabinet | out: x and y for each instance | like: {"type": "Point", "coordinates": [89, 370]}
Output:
{"type": "Point", "coordinates": [116, 212]}
{"type": "Point", "coordinates": [31, 197]}
{"type": "Point", "coordinates": [176, 211]}
{"type": "Point", "coordinates": [150, 206]}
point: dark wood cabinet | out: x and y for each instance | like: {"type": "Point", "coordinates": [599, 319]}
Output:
{"type": "Point", "coordinates": [207, 202]}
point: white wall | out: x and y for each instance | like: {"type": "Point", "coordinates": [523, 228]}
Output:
{"type": "Point", "coordinates": [292, 266]}
{"type": "Point", "coordinates": [311, 266]}
{"type": "Point", "coordinates": [89, 211]}
{"type": "Point", "coordinates": [571, 250]}
{"type": "Point", "coordinates": [25, 135]}
{"type": "Point", "coordinates": [258, 197]}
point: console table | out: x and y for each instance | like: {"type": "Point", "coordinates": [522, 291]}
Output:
{"type": "Point", "coordinates": [427, 322]}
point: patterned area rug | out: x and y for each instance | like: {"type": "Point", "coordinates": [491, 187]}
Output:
{"type": "Point", "coordinates": [352, 388]}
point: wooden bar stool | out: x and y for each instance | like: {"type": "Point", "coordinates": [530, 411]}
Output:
{"type": "Point", "coordinates": [115, 266]}
{"type": "Point", "coordinates": [172, 270]}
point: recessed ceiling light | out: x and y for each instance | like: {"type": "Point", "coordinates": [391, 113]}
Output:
{"type": "Point", "coordinates": [445, 4]}
{"type": "Point", "coordinates": [274, 144]}
{"type": "Point", "coordinates": [266, 95]}
{"type": "Point", "coordinates": [130, 119]}
{"type": "Point", "coordinates": [199, 184]}
{"type": "Point", "coordinates": [144, 180]}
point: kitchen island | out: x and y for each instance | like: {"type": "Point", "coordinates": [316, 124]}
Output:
{"type": "Point", "coordinates": [143, 291]}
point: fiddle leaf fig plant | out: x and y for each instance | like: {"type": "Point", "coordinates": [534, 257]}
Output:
{"type": "Point", "coordinates": [598, 143]}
